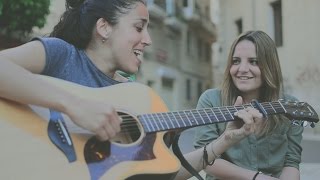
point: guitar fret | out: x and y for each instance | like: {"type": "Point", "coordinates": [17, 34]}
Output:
{"type": "Point", "coordinates": [239, 107]}
{"type": "Point", "coordinates": [164, 120]}
{"type": "Point", "coordinates": [185, 125]}
{"type": "Point", "coordinates": [194, 117]}
{"type": "Point", "coordinates": [192, 120]}
{"type": "Point", "coordinates": [155, 121]}
{"type": "Point", "coordinates": [168, 119]}
{"type": "Point", "coordinates": [232, 110]}
{"type": "Point", "coordinates": [222, 114]}
{"type": "Point", "coordinates": [204, 110]}
{"type": "Point", "coordinates": [284, 109]}
{"type": "Point", "coordinates": [160, 121]}
{"type": "Point", "coordinates": [184, 118]}
{"type": "Point", "coordinates": [144, 122]}
{"type": "Point", "coordinates": [199, 115]}
{"type": "Point", "coordinates": [176, 121]}
{"type": "Point", "coordinates": [272, 108]}
{"type": "Point", "coordinates": [211, 112]}
{"type": "Point", "coordinates": [204, 116]}
{"type": "Point", "coordinates": [230, 113]}
{"type": "Point", "coordinates": [175, 113]}
{"type": "Point", "coordinates": [150, 121]}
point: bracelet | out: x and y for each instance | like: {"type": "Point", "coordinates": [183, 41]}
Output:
{"type": "Point", "coordinates": [205, 156]}
{"type": "Point", "coordinates": [256, 175]}
{"type": "Point", "coordinates": [215, 155]}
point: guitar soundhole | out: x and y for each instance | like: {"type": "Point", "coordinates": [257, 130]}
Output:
{"type": "Point", "coordinates": [130, 131]}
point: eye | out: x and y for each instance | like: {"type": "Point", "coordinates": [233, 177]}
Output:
{"type": "Point", "coordinates": [253, 62]}
{"type": "Point", "coordinates": [139, 29]}
{"type": "Point", "coordinates": [235, 61]}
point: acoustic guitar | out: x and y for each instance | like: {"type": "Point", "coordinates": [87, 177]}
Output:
{"type": "Point", "coordinates": [40, 143]}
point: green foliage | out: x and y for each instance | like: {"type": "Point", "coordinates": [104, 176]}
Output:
{"type": "Point", "coordinates": [1, 7]}
{"type": "Point", "coordinates": [22, 15]}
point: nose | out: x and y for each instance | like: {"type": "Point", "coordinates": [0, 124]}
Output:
{"type": "Point", "coordinates": [146, 40]}
{"type": "Point", "coordinates": [243, 67]}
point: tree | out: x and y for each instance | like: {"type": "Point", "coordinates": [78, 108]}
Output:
{"type": "Point", "coordinates": [20, 16]}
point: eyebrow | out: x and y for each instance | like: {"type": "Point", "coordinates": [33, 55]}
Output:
{"type": "Point", "coordinates": [144, 20]}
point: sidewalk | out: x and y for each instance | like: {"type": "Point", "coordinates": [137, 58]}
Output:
{"type": "Point", "coordinates": [309, 171]}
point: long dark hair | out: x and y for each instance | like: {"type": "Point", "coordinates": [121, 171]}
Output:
{"type": "Point", "coordinates": [77, 22]}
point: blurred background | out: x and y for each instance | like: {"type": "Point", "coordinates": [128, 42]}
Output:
{"type": "Point", "coordinates": [191, 41]}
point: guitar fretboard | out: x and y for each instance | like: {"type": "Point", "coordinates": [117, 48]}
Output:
{"type": "Point", "coordinates": [196, 117]}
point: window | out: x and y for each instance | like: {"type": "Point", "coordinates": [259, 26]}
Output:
{"type": "Point", "coordinates": [239, 25]}
{"type": "Point", "coordinates": [185, 3]}
{"type": "Point", "coordinates": [207, 11]}
{"type": "Point", "coordinates": [167, 83]}
{"type": "Point", "coordinates": [277, 15]}
{"type": "Point", "coordinates": [208, 52]}
{"type": "Point", "coordinates": [199, 49]}
{"type": "Point", "coordinates": [188, 42]}
{"type": "Point", "coordinates": [188, 89]}
{"type": "Point", "coordinates": [170, 7]}
{"type": "Point", "coordinates": [160, 3]}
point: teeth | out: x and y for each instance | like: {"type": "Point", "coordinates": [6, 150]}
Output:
{"type": "Point", "coordinates": [137, 52]}
{"type": "Point", "coordinates": [244, 78]}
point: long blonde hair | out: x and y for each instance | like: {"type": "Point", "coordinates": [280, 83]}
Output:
{"type": "Point", "coordinates": [268, 61]}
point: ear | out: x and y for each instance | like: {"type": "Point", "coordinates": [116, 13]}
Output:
{"type": "Point", "coordinates": [104, 29]}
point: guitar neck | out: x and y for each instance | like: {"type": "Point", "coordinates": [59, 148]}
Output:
{"type": "Point", "coordinates": [157, 122]}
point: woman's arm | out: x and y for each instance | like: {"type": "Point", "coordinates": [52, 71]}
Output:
{"type": "Point", "coordinates": [228, 171]}
{"type": "Point", "coordinates": [195, 158]}
{"type": "Point", "coordinates": [233, 134]}
{"type": "Point", "coordinates": [290, 173]}
{"type": "Point", "coordinates": [20, 84]}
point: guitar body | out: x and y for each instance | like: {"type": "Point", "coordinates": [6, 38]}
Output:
{"type": "Point", "coordinates": [27, 152]}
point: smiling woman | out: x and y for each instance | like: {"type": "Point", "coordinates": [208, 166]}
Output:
{"type": "Point", "coordinates": [253, 72]}
{"type": "Point", "coordinates": [93, 40]}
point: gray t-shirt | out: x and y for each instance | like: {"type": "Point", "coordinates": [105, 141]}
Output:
{"type": "Point", "coordinates": [65, 61]}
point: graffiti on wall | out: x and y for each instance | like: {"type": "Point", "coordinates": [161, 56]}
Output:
{"type": "Point", "coordinates": [309, 75]}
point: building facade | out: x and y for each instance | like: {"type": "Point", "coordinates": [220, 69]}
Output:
{"type": "Point", "coordinates": [178, 64]}
{"type": "Point", "coordinates": [293, 25]}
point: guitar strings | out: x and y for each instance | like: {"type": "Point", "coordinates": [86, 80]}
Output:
{"type": "Point", "coordinates": [129, 123]}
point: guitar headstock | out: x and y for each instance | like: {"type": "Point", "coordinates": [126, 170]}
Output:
{"type": "Point", "coordinates": [300, 110]}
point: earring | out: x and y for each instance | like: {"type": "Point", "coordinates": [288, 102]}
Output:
{"type": "Point", "coordinates": [103, 40]}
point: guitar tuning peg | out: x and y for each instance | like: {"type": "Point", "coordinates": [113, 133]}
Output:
{"type": "Point", "coordinates": [296, 123]}
{"type": "Point", "coordinates": [312, 124]}
{"type": "Point", "coordinates": [305, 123]}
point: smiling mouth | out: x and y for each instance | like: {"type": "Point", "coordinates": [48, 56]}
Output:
{"type": "Point", "coordinates": [244, 78]}
{"type": "Point", "coordinates": [139, 54]}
